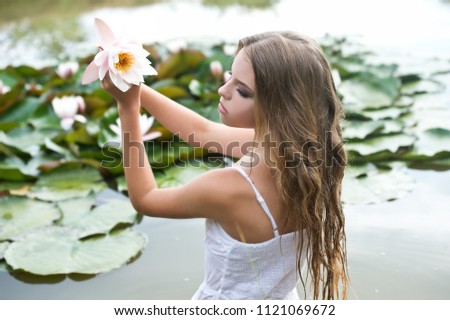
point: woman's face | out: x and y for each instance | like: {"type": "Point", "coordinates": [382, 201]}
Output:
{"type": "Point", "coordinates": [237, 94]}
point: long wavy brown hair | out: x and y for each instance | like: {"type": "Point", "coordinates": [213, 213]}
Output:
{"type": "Point", "coordinates": [298, 109]}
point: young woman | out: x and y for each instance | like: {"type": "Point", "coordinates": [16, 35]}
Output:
{"type": "Point", "coordinates": [278, 208]}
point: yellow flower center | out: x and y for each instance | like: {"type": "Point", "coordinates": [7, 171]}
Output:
{"type": "Point", "coordinates": [126, 61]}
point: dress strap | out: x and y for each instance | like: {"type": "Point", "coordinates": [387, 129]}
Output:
{"type": "Point", "coordinates": [260, 199]}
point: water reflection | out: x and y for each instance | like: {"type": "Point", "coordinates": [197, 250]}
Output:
{"type": "Point", "coordinates": [403, 244]}
{"type": "Point", "coordinates": [262, 4]}
{"type": "Point", "coordinates": [39, 10]}
{"type": "Point", "coordinates": [48, 38]}
{"type": "Point", "coordinates": [41, 34]}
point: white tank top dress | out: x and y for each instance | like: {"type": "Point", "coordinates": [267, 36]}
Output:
{"type": "Point", "coordinates": [235, 270]}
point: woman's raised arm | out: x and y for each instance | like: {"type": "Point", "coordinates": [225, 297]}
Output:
{"type": "Point", "coordinates": [194, 128]}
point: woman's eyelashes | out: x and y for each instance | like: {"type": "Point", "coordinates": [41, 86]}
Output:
{"type": "Point", "coordinates": [242, 92]}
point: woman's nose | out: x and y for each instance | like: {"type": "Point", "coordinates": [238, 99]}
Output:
{"type": "Point", "coordinates": [221, 90]}
{"type": "Point", "coordinates": [224, 90]}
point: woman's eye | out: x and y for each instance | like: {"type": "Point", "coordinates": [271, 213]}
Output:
{"type": "Point", "coordinates": [243, 93]}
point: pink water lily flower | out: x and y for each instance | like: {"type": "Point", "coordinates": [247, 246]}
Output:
{"type": "Point", "coordinates": [145, 124]}
{"type": "Point", "coordinates": [3, 89]}
{"type": "Point", "coordinates": [67, 69]}
{"type": "Point", "coordinates": [125, 60]}
{"type": "Point", "coordinates": [216, 69]}
{"type": "Point", "coordinates": [66, 108]}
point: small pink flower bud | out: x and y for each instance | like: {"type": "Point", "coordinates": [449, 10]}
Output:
{"type": "Point", "coordinates": [216, 69]}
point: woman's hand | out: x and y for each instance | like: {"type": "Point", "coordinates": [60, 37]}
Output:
{"type": "Point", "coordinates": [126, 100]}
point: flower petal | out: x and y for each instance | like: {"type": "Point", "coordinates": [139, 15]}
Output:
{"type": "Point", "coordinates": [104, 34]}
{"type": "Point", "coordinates": [149, 70]}
{"type": "Point", "coordinates": [145, 123]}
{"type": "Point", "coordinates": [119, 82]}
{"type": "Point", "coordinates": [80, 118]}
{"type": "Point", "coordinates": [90, 74]}
{"type": "Point", "coordinates": [67, 123]}
{"type": "Point", "coordinates": [102, 72]}
{"type": "Point", "coordinates": [100, 57]}
{"type": "Point", "coordinates": [115, 129]}
{"type": "Point", "coordinates": [151, 136]}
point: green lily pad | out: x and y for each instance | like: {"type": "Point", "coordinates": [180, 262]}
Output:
{"type": "Point", "coordinates": [173, 92]}
{"type": "Point", "coordinates": [27, 139]}
{"type": "Point", "coordinates": [3, 246]}
{"type": "Point", "coordinates": [429, 118]}
{"type": "Point", "coordinates": [20, 214]}
{"type": "Point", "coordinates": [179, 63]}
{"type": "Point", "coordinates": [367, 91]}
{"type": "Point", "coordinates": [431, 144]}
{"type": "Point", "coordinates": [22, 110]}
{"type": "Point", "coordinates": [384, 113]}
{"type": "Point", "coordinates": [422, 86]}
{"type": "Point", "coordinates": [357, 171]}
{"type": "Point", "coordinates": [13, 186]}
{"type": "Point", "coordinates": [390, 143]}
{"type": "Point", "coordinates": [358, 130]}
{"type": "Point", "coordinates": [375, 186]}
{"type": "Point", "coordinates": [14, 169]}
{"type": "Point", "coordinates": [422, 67]}
{"type": "Point", "coordinates": [73, 209]}
{"type": "Point", "coordinates": [101, 219]}
{"type": "Point", "coordinates": [122, 183]}
{"type": "Point", "coordinates": [179, 175]}
{"type": "Point", "coordinates": [70, 180]}
{"type": "Point", "coordinates": [438, 164]}
{"type": "Point", "coordinates": [58, 250]}
{"type": "Point", "coordinates": [361, 129]}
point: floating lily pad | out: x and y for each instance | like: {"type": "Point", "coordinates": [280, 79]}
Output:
{"type": "Point", "coordinates": [14, 187]}
{"type": "Point", "coordinates": [101, 219]}
{"type": "Point", "coordinates": [422, 67]}
{"type": "Point", "coordinates": [20, 214]}
{"type": "Point", "coordinates": [422, 86]}
{"type": "Point", "coordinates": [390, 143]}
{"type": "Point", "coordinates": [361, 129]}
{"type": "Point", "coordinates": [27, 139]}
{"type": "Point", "coordinates": [179, 175]}
{"type": "Point", "coordinates": [3, 246]}
{"type": "Point", "coordinates": [438, 164]}
{"type": "Point", "coordinates": [22, 110]}
{"type": "Point", "coordinates": [121, 184]}
{"type": "Point", "coordinates": [179, 63]}
{"type": "Point", "coordinates": [13, 172]}
{"type": "Point", "coordinates": [429, 118]}
{"type": "Point", "coordinates": [375, 186]}
{"type": "Point", "coordinates": [67, 181]}
{"type": "Point", "coordinates": [368, 91]}
{"type": "Point", "coordinates": [431, 144]}
{"type": "Point", "coordinates": [73, 209]}
{"type": "Point", "coordinates": [58, 250]}
{"type": "Point", "coordinates": [384, 113]}
{"type": "Point", "coordinates": [15, 169]}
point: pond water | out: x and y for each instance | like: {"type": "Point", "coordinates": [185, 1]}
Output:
{"type": "Point", "coordinates": [397, 249]}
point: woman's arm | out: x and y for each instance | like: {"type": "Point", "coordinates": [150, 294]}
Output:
{"type": "Point", "coordinates": [193, 128]}
{"type": "Point", "coordinates": [203, 197]}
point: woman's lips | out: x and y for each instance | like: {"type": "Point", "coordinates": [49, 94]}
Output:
{"type": "Point", "coordinates": [222, 108]}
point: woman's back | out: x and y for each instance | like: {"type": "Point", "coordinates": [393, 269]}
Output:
{"type": "Point", "coordinates": [237, 269]}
